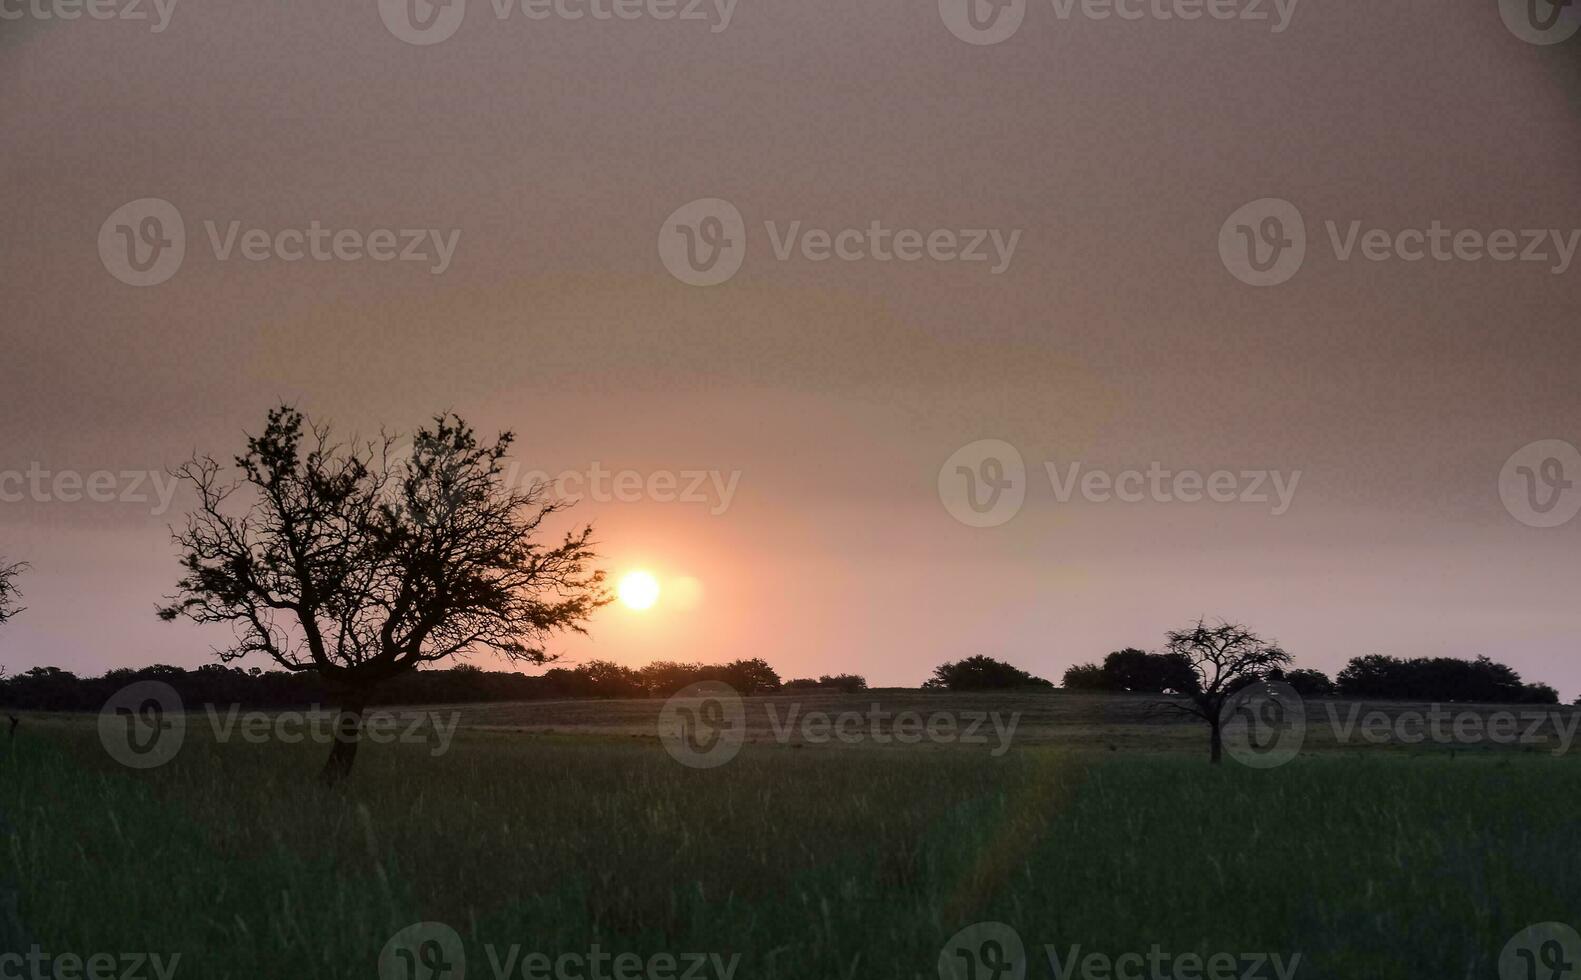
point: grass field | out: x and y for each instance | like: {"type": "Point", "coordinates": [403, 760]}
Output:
{"type": "Point", "coordinates": [853, 862]}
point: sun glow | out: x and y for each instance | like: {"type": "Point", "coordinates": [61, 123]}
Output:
{"type": "Point", "coordinates": [639, 590]}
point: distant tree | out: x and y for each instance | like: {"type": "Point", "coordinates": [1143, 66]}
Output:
{"type": "Point", "coordinates": [1224, 658]}
{"type": "Point", "coordinates": [1539, 694]}
{"type": "Point", "coordinates": [663, 678]}
{"type": "Point", "coordinates": [1372, 676]}
{"type": "Point", "coordinates": [335, 559]}
{"type": "Point", "coordinates": [1133, 670]}
{"type": "Point", "coordinates": [1085, 677]}
{"type": "Point", "coordinates": [1151, 673]}
{"type": "Point", "coordinates": [607, 679]}
{"type": "Point", "coordinates": [753, 676]}
{"type": "Point", "coordinates": [8, 589]}
{"type": "Point", "coordinates": [1380, 677]}
{"type": "Point", "coordinates": [981, 673]}
{"type": "Point", "coordinates": [844, 683]}
{"type": "Point", "coordinates": [1309, 683]}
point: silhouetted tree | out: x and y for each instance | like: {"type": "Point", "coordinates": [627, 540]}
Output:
{"type": "Point", "coordinates": [336, 559]}
{"type": "Point", "coordinates": [1085, 677]}
{"type": "Point", "coordinates": [1224, 658]}
{"type": "Point", "coordinates": [753, 676]}
{"type": "Point", "coordinates": [1308, 683]}
{"type": "Point", "coordinates": [1439, 679]}
{"type": "Point", "coordinates": [1133, 670]}
{"type": "Point", "coordinates": [980, 673]}
{"type": "Point", "coordinates": [844, 683]}
{"type": "Point", "coordinates": [8, 589]}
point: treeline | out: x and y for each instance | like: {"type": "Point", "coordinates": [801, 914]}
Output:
{"type": "Point", "coordinates": [1372, 677]}
{"type": "Point", "coordinates": [53, 689]}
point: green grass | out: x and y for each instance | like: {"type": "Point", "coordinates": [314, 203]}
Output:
{"type": "Point", "coordinates": [810, 864]}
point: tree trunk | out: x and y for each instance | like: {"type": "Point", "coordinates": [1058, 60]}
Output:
{"type": "Point", "coordinates": [1215, 742]}
{"type": "Point", "coordinates": [348, 733]}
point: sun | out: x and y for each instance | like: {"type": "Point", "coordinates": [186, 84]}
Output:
{"type": "Point", "coordinates": [639, 590]}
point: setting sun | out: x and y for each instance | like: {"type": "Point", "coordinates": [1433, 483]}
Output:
{"type": "Point", "coordinates": [639, 590]}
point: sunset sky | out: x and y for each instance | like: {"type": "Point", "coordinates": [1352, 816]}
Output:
{"type": "Point", "coordinates": [824, 397]}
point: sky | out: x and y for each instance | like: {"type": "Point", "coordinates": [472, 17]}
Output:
{"type": "Point", "coordinates": [826, 422]}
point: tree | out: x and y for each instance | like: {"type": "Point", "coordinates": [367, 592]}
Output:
{"type": "Point", "coordinates": [1224, 658]}
{"type": "Point", "coordinates": [753, 676]}
{"type": "Point", "coordinates": [1151, 673]}
{"type": "Point", "coordinates": [980, 673]}
{"type": "Point", "coordinates": [336, 559]}
{"type": "Point", "coordinates": [1133, 670]}
{"type": "Point", "coordinates": [1309, 683]}
{"type": "Point", "coordinates": [1439, 679]}
{"type": "Point", "coordinates": [1085, 677]}
{"type": "Point", "coordinates": [8, 589]}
